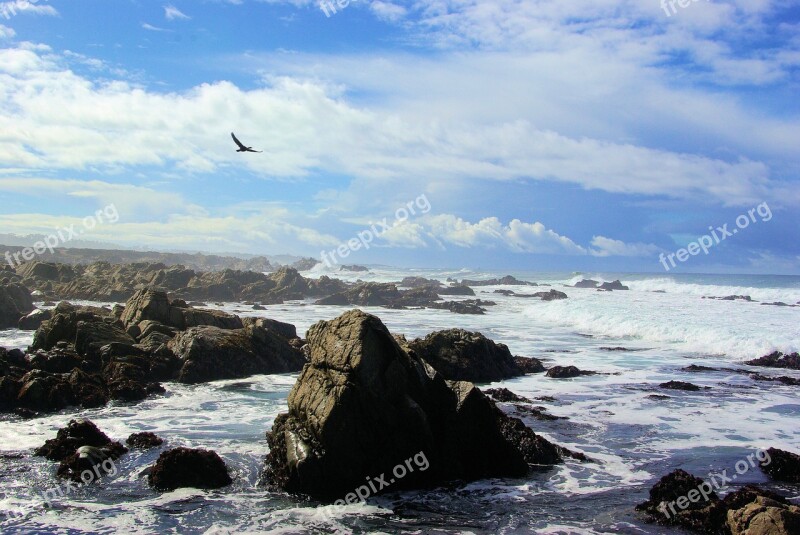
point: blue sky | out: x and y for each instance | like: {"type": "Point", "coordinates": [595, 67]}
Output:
{"type": "Point", "coordinates": [545, 135]}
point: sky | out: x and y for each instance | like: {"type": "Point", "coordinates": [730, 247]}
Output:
{"type": "Point", "coordinates": [530, 135]}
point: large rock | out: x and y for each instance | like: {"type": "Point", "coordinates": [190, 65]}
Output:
{"type": "Point", "coordinates": [153, 305]}
{"type": "Point", "coordinates": [508, 280]}
{"type": "Point", "coordinates": [366, 294]}
{"type": "Point", "coordinates": [34, 320]}
{"type": "Point", "coordinates": [15, 302]}
{"type": "Point", "coordinates": [210, 353]}
{"type": "Point", "coordinates": [461, 355]}
{"type": "Point", "coordinates": [681, 499]}
{"type": "Point", "coordinates": [185, 467]}
{"type": "Point", "coordinates": [782, 465]}
{"type": "Point", "coordinates": [363, 406]}
{"type": "Point", "coordinates": [63, 325]}
{"type": "Point", "coordinates": [765, 516]}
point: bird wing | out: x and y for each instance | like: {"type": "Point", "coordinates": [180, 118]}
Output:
{"type": "Point", "coordinates": [241, 146]}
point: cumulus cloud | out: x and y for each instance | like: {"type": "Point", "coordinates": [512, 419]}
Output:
{"type": "Point", "coordinates": [602, 246]}
{"type": "Point", "coordinates": [6, 32]}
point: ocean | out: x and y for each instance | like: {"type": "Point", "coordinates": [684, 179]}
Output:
{"type": "Point", "coordinates": [663, 322]}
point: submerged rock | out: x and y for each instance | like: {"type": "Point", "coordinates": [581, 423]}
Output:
{"type": "Point", "coordinates": [680, 385]}
{"type": "Point", "coordinates": [586, 283]}
{"type": "Point", "coordinates": [508, 280]}
{"type": "Point", "coordinates": [616, 285]}
{"type": "Point", "coordinates": [529, 365]}
{"type": "Point", "coordinates": [185, 467]}
{"type": "Point", "coordinates": [461, 355]}
{"type": "Point", "coordinates": [364, 406]}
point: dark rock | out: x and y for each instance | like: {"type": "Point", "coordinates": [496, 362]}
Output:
{"type": "Point", "coordinates": [456, 289]}
{"type": "Point", "coordinates": [259, 307]}
{"type": "Point", "coordinates": [508, 280]}
{"type": "Point", "coordinates": [461, 355]}
{"type": "Point", "coordinates": [504, 292]}
{"type": "Point", "coordinates": [210, 353]}
{"type": "Point", "coordinates": [680, 385]}
{"type": "Point", "coordinates": [365, 294]}
{"type": "Point", "coordinates": [586, 283]}
{"type": "Point", "coordinates": [567, 372]}
{"type": "Point", "coordinates": [363, 404]}
{"type": "Point", "coordinates": [552, 295]}
{"type": "Point", "coordinates": [529, 365]}
{"type": "Point", "coordinates": [790, 381]}
{"type": "Point", "coordinates": [459, 307]}
{"type": "Point", "coordinates": [77, 433]}
{"type": "Point", "coordinates": [782, 465]}
{"type": "Point", "coordinates": [736, 298]}
{"type": "Point", "coordinates": [697, 368]}
{"type": "Point", "coordinates": [777, 360]}
{"type": "Point", "coordinates": [144, 440]}
{"type": "Point", "coordinates": [15, 302]}
{"type": "Point", "coordinates": [506, 396]}
{"type": "Point", "coordinates": [354, 268]}
{"type": "Point", "coordinates": [616, 285]}
{"type": "Point", "coordinates": [34, 320]}
{"type": "Point", "coordinates": [184, 467]}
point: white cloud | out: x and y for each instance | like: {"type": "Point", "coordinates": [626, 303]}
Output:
{"type": "Point", "coordinates": [602, 246]}
{"type": "Point", "coordinates": [172, 13]}
{"type": "Point", "coordinates": [6, 32]}
{"type": "Point", "coordinates": [151, 28]}
{"type": "Point", "coordinates": [388, 11]}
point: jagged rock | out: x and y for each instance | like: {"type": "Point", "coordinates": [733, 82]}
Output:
{"type": "Point", "coordinates": [782, 465]}
{"type": "Point", "coordinates": [363, 404]}
{"type": "Point", "coordinates": [529, 365]}
{"type": "Point", "coordinates": [765, 516]}
{"type": "Point", "coordinates": [616, 285]}
{"type": "Point", "coordinates": [63, 325]}
{"type": "Point", "coordinates": [154, 305]}
{"type": "Point", "coordinates": [34, 320]}
{"type": "Point", "coordinates": [507, 280]}
{"type": "Point", "coordinates": [777, 360]}
{"type": "Point", "coordinates": [552, 295]}
{"type": "Point", "coordinates": [461, 355]}
{"type": "Point", "coordinates": [586, 283]}
{"type": "Point", "coordinates": [354, 268]}
{"type": "Point", "coordinates": [210, 353]}
{"type": "Point", "coordinates": [144, 440]}
{"type": "Point", "coordinates": [678, 500]}
{"type": "Point", "coordinates": [505, 395]}
{"type": "Point", "coordinates": [15, 302]}
{"type": "Point", "coordinates": [77, 433]}
{"type": "Point", "coordinates": [456, 289]}
{"type": "Point", "coordinates": [365, 294]}
{"type": "Point", "coordinates": [459, 307]}
{"type": "Point", "coordinates": [287, 330]}
{"type": "Point", "coordinates": [567, 372]}
{"type": "Point", "coordinates": [45, 271]}
{"type": "Point", "coordinates": [185, 467]}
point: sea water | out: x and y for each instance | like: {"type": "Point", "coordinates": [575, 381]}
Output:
{"type": "Point", "coordinates": [619, 417]}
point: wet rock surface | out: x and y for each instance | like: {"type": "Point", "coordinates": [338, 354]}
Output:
{"type": "Point", "coordinates": [185, 467]}
{"type": "Point", "coordinates": [363, 405]}
{"type": "Point", "coordinates": [777, 360]}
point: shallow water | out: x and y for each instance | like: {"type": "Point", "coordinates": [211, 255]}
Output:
{"type": "Point", "coordinates": [634, 439]}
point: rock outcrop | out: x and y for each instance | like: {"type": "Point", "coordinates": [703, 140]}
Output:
{"type": "Point", "coordinates": [15, 302]}
{"type": "Point", "coordinates": [81, 449]}
{"type": "Point", "coordinates": [363, 406]}
{"type": "Point", "coordinates": [87, 356]}
{"type": "Point", "coordinates": [777, 360]}
{"type": "Point", "coordinates": [782, 465]}
{"type": "Point", "coordinates": [460, 355]}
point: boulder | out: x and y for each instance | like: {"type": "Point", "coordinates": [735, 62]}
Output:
{"type": "Point", "coordinates": [363, 406]}
{"type": "Point", "coordinates": [185, 467]}
{"type": "Point", "coordinates": [765, 516]}
{"type": "Point", "coordinates": [461, 355]}
{"type": "Point", "coordinates": [365, 294]}
{"type": "Point", "coordinates": [567, 372]}
{"type": "Point", "coordinates": [77, 433]}
{"type": "Point", "coordinates": [552, 295]}
{"type": "Point", "coordinates": [210, 353]}
{"type": "Point", "coordinates": [34, 320]}
{"type": "Point", "coordinates": [144, 440]}
{"type": "Point", "coordinates": [529, 365]}
{"type": "Point", "coordinates": [586, 283]}
{"type": "Point", "coordinates": [507, 280]}
{"type": "Point", "coordinates": [459, 307]}
{"type": "Point", "coordinates": [616, 285]}
{"type": "Point", "coordinates": [680, 385]}
{"type": "Point", "coordinates": [15, 302]}
{"type": "Point", "coordinates": [782, 465]}
{"type": "Point", "coordinates": [63, 326]}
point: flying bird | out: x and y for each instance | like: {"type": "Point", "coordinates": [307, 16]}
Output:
{"type": "Point", "coordinates": [242, 148]}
